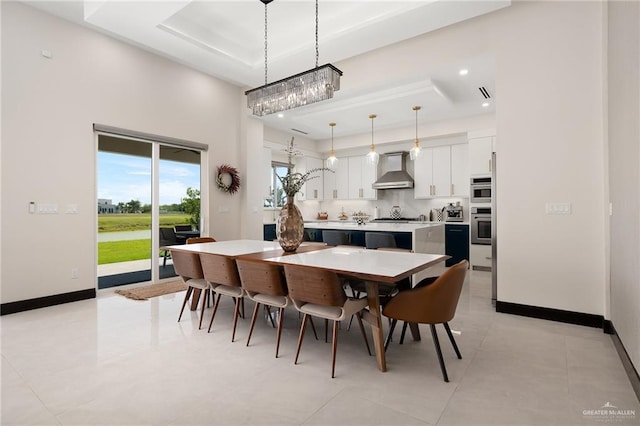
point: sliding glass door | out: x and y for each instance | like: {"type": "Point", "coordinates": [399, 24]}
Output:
{"type": "Point", "coordinates": [179, 200]}
{"type": "Point", "coordinates": [148, 197]}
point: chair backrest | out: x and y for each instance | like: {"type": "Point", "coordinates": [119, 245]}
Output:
{"type": "Point", "coordinates": [182, 228]}
{"type": "Point", "coordinates": [186, 264]}
{"type": "Point", "coordinates": [335, 238]}
{"type": "Point", "coordinates": [196, 240]}
{"type": "Point", "coordinates": [167, 237]}
{"type": "Point", "coordinates": [314, 285]}
{"type": "Point", "coordinates": [261, 277]}
{"type": "Point", "coordinates": [374, 240]}
{"type": "Point", "coordinates": [432, 304]}
{"type": "Point", "coordinates": [219, 269]}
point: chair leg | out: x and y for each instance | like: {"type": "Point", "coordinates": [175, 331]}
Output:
{"type": "Point", "coordinates": [313, 327]}
{"type": "Point", "coordinates": [453, 342]}
{"type": "Point", "coordinates": [213, 315]}
{"type": "Point", "coordinates": [404, 331]}
{"type": "Point", "coordinates": [303, 326]}
{"type": "Point", "coordinates": [393, 327]}
{"type": "Point", "coordinates": [280, 321]}
{"type": "Point", "coordinates": [364, 334]}
{"type": "Point", "coordinates": [205, 297]}
{"type": "Point", "coordinates": [436, 342]}
{"type": "Point", "coordinates": [184, 303]}
{"type": "Point", "coordinates": [236, 312]}
{"type": "Point", "coordinates": [326, 331]}
{"type": "Point", "coordinates": [253, 322]}
{"type": "Point", "coordinates": [270, 317]}
{"type": "Point", "coordinates": [334, 347]}
{"type": "Point", "coordinates": [164, 262]}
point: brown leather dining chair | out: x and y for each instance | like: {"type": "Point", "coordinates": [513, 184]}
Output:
{"type": "Point", "coordinates": [319, 292]}
{"type": "Point", "coordinates": [222, 275]}
{"type": "Point", "coordinates": [434, 303]}
{"type": "Point", "coordinates": [197, 240]}
{"type": "Point", "coordinates": [187, 266]}
{"type": "Point", "coordinates": [265, 284]}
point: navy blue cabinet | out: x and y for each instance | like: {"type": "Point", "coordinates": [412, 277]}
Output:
{"type": "Point", "coordinates": [269, 231]}
{"type": "Point", "coordinates": [356, 238]}
{"type": "Point", "coordinates": [456, 243]}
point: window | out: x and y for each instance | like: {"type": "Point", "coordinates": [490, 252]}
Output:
{"type": "Point", "coordinates": [277, 197]}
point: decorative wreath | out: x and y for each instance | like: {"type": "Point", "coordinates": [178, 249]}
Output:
{"type": "Point", "coordinates": [223, 171]}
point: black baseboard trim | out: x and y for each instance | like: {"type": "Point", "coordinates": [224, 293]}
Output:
{"type": "Point", "coordinates": [558, 315]}
{"type": "Point", "coordinates": [608, 328]}
{"type": "Point", "coordinates": [632, 373]}
{"type": "Point", "coordinates": [43, 302]}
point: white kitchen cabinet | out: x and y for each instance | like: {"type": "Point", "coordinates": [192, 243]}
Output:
{"type": "Point", "coordinates": [361, 178]}
{"type": "Point", "coordinates": [460, 179]}
{"type": "Point", "coordinates": [335, 185]}
{"type": "Point", "coordinates": [312, 190]}
{"type": "Point", "coordinates": [480, 150]}
{"type": "Point", "coordinates": [480, 257]}
{"type": "Point", "coordinates": [432, 173]}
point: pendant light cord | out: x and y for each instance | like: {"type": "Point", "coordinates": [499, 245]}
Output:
{"type": "Point", "coordinates": [265, 43]}
{"type": "Point", "coordinates": [317, 50]}
{"type": "Point", "coordinates": [416, 123]}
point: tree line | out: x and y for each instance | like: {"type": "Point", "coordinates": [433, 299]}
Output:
{"type": "Point", "coordinates": [189, 205]}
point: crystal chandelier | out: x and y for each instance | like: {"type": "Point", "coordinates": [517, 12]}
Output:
{"type": "Point", "coordinates": [415, 151]}
{"type": "Point", "coordinates": [308, 87]}
{"type": "Point", "coordinates": [372, 156]}
{"type": "Point", "coordinates": [332, 161]}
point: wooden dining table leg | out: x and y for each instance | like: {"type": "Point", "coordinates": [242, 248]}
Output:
{"type": "Point", "coordinates": [415, 331]}
{"type": "Point", "coordinates": [374, 318]}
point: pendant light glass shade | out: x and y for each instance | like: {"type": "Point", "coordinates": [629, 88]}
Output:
{"type": "Point", "coordinates": [415, 152]}
{"type": "Point", "coordinates": [372, 156]}
{"type": "Point", "coordinates": [332, 161]}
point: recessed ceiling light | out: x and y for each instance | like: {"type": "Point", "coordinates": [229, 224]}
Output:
{"type": "Point", "coordinates": [280, 115]}
{"type": "Point", "coordinates": [463, 72]}
{"type": "Point", "coordinates": [485, 104]}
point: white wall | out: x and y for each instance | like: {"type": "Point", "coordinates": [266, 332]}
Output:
{"type": "Point", "coordinates": [48, 147]}
{"type": "Point", "coordinates": [549, 121]}
{"type": "Point", "coordinates": [624, 165]}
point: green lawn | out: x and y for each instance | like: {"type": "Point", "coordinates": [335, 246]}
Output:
{"type": "Point", "coordinates": [137, 222]}
{"type": "Point", "coordinates": [124, 251]}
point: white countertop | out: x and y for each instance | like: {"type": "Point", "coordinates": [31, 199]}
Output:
{"type": "Point", "coordinates": [349, 225]}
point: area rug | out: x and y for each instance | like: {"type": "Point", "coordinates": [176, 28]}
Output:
{"type": "Point", "coordinates": [153, 290]}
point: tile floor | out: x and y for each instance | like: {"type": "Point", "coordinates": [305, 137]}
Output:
{"type": "Point", "coordinates": [115, 361]}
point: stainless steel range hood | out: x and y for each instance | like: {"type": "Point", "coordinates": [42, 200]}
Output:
{"type": "Point", "coordinates": [396, 176]}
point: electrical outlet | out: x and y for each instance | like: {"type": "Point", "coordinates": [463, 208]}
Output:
{"type": "Point", "coordinates": [558, 208]}
{"type": "Point", "coordinates": [74, 273]}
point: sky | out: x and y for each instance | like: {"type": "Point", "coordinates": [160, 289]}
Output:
{"type": "Point", "coordinates": [122, 178]}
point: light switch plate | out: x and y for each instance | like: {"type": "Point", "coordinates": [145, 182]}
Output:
{"type": "Point", "coordinates": [558, 208]}
{"type": "Point", "coordinates": [44, 208]}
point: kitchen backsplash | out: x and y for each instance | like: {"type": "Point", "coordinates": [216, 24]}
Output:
{"type": "Point", "coordinates": [386, 200]}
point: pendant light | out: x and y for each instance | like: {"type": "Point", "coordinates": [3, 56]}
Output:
{"type": "Point", "coordinates": [415, 152]}
{"type": "Point", "coordinates": [332, 161]}
{"type": "Point", "coordinates": [372, 156]}
{"type": "Point", "coordinates": [304, 88]}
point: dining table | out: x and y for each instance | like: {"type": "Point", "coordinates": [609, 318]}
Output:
{"type": "Point", "coordinates": [375, 267]}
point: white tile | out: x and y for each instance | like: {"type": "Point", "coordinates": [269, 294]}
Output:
{"type": "Point", "coordinates": [117, 361]}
